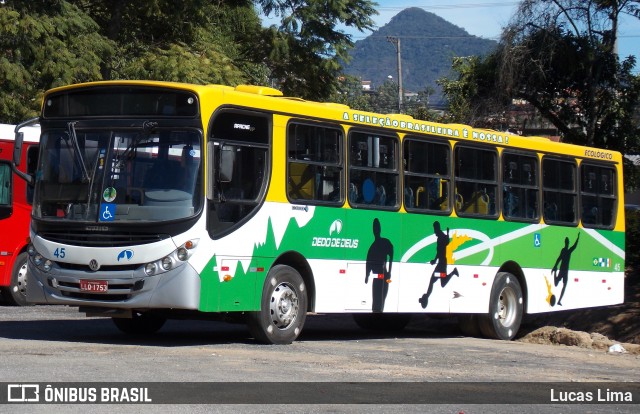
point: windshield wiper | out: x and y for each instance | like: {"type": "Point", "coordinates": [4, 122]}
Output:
{"type": "Point", "coordinates": [148, 127]}
{"type": "Point", "coordinates": [76, 146]}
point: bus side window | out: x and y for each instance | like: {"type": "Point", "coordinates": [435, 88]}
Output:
{"type": "Point", "coordinates": [559, 185]}
{"type": "Point", "coordinates": [5, 184]}
{"type": "Point", "coordinates": [426, 175]}
{"type": "Point", "coordinates": [240, 142]}
{"type": "Point", "coordinates": [597, 195]}
{"type": "Point", "coordinates": [374, 171]}
{"type": "Point", "coordinates": [476, 176]}
{"type": "Point", "coordinates": [314, 163]}
{"type": "Point", "coordinates": [520, 186]}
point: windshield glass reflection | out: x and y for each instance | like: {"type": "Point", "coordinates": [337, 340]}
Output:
{"type": "Point", "coordinates": [108, 175]}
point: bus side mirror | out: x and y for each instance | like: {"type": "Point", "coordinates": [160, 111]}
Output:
{"type": "Point", "coordinates": [17, 155]}
{"type": "Point", "coordinates": [17, 148]}
{"type": "Point", "coordinates": [227, 161]}
{"type": "Point", "coordinates": [211, 171]}
{"type": "Point", "coordinates": [220, 161]}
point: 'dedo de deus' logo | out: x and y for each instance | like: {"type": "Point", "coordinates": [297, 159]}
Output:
{"type": "Point", "coordinates": [333, 240]}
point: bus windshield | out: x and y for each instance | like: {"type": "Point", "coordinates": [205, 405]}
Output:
{"type": "Point", "coordinates": [104, 175]}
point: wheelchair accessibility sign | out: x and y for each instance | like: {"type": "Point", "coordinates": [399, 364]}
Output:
{"type": "Point", "coordinates": [107, 212]}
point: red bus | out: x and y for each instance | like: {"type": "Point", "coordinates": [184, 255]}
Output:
{"type": "Point", "coordinates": [15, 213]}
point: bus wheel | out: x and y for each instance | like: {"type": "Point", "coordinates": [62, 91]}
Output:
{"type": "Point", "coordinates": [505, 308]}
{"type": "Point", "coordinates": [382, 322]}
{"type": "Point", "coordinates": [469, 325]}
{"type": "Point", "coordinates": [16, 293]}
{"type": "Point", "coordinates": [283, 307]}
{"type": "Point", "coordinates": [140, 323]}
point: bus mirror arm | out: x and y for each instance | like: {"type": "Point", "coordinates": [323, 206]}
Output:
{"type": "Point", "coordinates": [17, 150]}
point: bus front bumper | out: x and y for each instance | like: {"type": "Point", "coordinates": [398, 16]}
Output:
{"type": "Point", "coordinates": [178, 288]}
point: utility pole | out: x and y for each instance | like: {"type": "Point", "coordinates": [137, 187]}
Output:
{"type": "Point", "coordinates": [396, 43]}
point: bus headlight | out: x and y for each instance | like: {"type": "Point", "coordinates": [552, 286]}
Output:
{"type": "Point", "coordinates": [31, 250]}
{"type": "Point", "coordinates": [167, 263]}
{"type": "Point", "coordinates": [38, 259]}
{"type": "Point", "coordinates": [182, 254]}
{"type": "Point", "coordinates": [173, 260]}
{"type": "Point", "coordinates": [150, 269]}
{"type": "Point", "coordinates": [47, 265]}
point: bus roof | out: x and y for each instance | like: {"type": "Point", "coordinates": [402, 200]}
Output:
{"type": "Point", "coordinates": [266, 98]}
{"type": "Point", "coordinates": [31, 133]}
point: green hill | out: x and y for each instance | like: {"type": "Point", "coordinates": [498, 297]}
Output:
{"type": "Point", "coordinates": [427, 42]}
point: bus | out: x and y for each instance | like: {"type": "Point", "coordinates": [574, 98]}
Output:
{"type": "Point", "coordinates": [15, 214]}
{"type": "Point", "coordinates": [156, 201]}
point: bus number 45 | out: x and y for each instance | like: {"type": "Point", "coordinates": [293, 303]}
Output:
{"type": "Point", "coordinates": [59, 253]}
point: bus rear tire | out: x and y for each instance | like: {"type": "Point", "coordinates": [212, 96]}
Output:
{"type": "Point", "coordinates": [505, 308]}
{"type": "Point", "coordinates": [283, 308]}
{"type": "Point", "coordinates": [140, 323]}
{"type": "Point", "coordinates": [16, 293]}
{"type": "Point", "coordinates": [382, 322]}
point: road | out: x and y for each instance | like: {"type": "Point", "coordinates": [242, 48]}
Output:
{"type": "Point", "coordinates": [53, 344]}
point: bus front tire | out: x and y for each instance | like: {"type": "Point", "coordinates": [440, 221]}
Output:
{"type": "Point", "coordinates": [505, 308]}
{"type": "Point", "coordinates": [139, 324]}
{"type": "Point", "coordinates": [16, 293]}
{"type": "Point", "coordinates": [283, 308]}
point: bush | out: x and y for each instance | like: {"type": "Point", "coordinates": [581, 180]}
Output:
{"type": "Point", "coordinates": [632, 245]}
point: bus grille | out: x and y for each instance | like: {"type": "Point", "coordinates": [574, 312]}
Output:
{"type": "Point", "coordinates": [107, 268]}
{"type": "Point", "coordinates": [118, 292]}
{"type": "Point", "coordinates": [102, 240]}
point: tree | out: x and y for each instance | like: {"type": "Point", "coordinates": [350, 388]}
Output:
{"type": "Point", "coordinates": [196, 41]}
{"type": "Point", "coordinates": [473, 97]}
{"type": "Point", "coordinates": [385, 98]}
{"type": "Point", "coordinates": [559, 55]}
{"type": "Point", "coordinates": [305, 52]}
{"type": "Point", "coordinates": [58, 42]}
{"type": "Point", "coordinates": [44, 45]}
{"type": "Point", "coordinates": [349, 92]}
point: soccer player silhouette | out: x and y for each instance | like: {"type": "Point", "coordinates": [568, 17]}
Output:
{"type": "Point", "coordinates": [380, 250]}
{"type": "Point", "coordinates": [440, 271]}
{"type": "Point", "coordinates": [563, 259]}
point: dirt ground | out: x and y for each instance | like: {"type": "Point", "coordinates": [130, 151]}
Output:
{"type": "Point", "coordinates": [597, 328]}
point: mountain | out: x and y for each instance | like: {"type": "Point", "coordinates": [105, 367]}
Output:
{"type": "Point", "coordinates": [428, 44]}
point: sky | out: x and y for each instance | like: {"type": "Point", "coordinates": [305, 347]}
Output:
{"type": "Point", "coordinates": [487, 18]}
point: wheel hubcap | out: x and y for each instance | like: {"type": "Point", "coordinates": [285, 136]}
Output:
{"type": "Point", "coordinates": [507, 307]}
{"type": "Point", "coordinates": [21, 283]}
{"type": "Point", "coordinates": [284, 306]}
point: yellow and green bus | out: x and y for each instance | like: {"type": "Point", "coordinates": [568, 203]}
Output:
{"type": "Point", "coordinates": [162, 200]}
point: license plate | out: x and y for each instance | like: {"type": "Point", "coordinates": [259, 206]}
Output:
{"type": "Point", "coordinates": [95, 286]}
